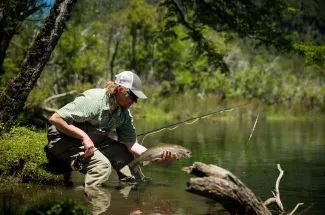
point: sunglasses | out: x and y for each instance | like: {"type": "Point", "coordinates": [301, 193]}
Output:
{"type": "Point", "coordinates": [132, 96]}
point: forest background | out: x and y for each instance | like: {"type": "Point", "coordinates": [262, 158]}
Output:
{"type": "Point", "coordinates": [104, 38]}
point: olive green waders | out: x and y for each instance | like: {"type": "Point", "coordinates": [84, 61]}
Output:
{"type": "Point", "coordinates": [98, 167]}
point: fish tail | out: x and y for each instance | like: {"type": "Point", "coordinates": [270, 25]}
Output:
{"type": "Point", "coordinates": [133, 163]}
{"type": "Point", "coordinates": [126, 169]}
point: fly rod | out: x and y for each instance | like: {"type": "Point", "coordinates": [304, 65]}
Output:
{"type": "Point", "coordinates": [187, 120]}
{"type": "Point", "coordinates": [167, 126]}
{"type": "Point", "coordinates": [76, 164]}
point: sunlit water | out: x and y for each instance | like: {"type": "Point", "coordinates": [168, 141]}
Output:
{"type": "Point", "coordinates": [298, 146]}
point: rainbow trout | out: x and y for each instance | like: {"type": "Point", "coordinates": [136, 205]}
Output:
{"type": "Point", "coordinates": [156, 152]}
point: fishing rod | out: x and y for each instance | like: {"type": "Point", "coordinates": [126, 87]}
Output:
{"type": "Point", "coordinates": [177, 123]}
{"type": "Point", "coordinates": [191, 119]}
{"type": "Point", "coordinates": [76, 162]}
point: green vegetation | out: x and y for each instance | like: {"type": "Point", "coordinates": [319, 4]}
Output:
{"type": "Point", "coordinates": [59, 207]}
{"type": "Point", "coordinates": [193, 59]}
{"type": "Point", "coordinates": [208, 50]}
{"type": "Point", "coordinates": [22, 157]}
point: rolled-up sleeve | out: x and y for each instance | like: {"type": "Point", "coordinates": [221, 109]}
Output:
{"type": "Point", "coordinates": [82, 109]}
{"type": "Point", "coordinates": [126, 132]}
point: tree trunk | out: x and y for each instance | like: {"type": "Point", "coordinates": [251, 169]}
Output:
{"type": "Point", "coordinates": [12, 14]}
{"type": "Point", "coordinates": [112, 64]}
{"type": "Point", "coordinates": [14, 96]}
{"type": "Point", "coordinates": [221, 185]}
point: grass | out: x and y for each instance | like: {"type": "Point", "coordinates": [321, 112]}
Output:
{"type": "Point", "coordinates": [189, 106]}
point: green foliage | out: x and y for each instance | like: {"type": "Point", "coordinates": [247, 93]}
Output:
{"type": "Point", "coordinates": [58, 207]}
{"type": "Point", "coordinates": [313, 54]}
{"type": "Point", "coordinates": [11, 68]}
{"type": "Point", "coordinates": [22, 156]}
{"type": "Point", "coordinates": [197, 52]}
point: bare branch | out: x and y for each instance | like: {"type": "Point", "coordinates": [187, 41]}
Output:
{"type": "Point", "coordinates": [59, 96]}
{"type": "Point", "coordinates": [277, 197]}
{"type": "Point", "coordinates": [52, 110]}
{"type": "Point", "coordinates": [296, 208]}
{"type": "Point", "coordinates": [276, 194]}
{"type": "Point", "coordinates": [48, 109]}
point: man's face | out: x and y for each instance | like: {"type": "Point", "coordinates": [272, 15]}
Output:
{"type": "Point", "coordinates": [125, 98]}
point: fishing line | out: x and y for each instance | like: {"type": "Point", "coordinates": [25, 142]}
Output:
{"type": "Point", "coordinates": [157, 132]}
{"type": "Point", "coordinates": [250, 136]}
{"type": "Point", "coordinates": [187, 122]}
{"type": "Point", "coordinates": [139, 168]}
{"type": "Point", "coordinates": [76, 158]}
{"type": "Point", "coordinates": [253, 127]}
{"type": "Point", "coordinates": [194, 118]}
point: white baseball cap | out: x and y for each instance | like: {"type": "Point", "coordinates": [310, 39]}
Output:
{"type": "Point", "coordinates": [131, 81]}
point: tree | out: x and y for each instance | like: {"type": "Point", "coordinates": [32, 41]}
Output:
{"type": "Point", "coordinates": [256, 19]}
{"type": "Point", "coordinates": [13, 97]}
{"type": "Point", "coordinates": [12, 14]}
{"type": "Point", "coordinates": [140, 20]}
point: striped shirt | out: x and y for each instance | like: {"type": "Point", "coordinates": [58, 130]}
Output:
{"type": "Point", "coordinates": [93, 106]}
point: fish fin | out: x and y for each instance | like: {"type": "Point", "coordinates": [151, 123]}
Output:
{"type": "Point", "coordinates": [145, 163]}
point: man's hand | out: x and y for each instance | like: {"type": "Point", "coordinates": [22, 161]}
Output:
{"type": "Point", "coordinates": [73, 131]}
{"type": "Point", "coordinates": [166, 158]}
{"type": "Point", "coordinates": [88, 145]}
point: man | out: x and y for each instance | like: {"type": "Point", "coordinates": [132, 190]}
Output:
{"type": "Point", "coordinates": [84, 124]}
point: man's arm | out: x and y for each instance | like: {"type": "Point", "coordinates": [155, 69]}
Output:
{"type": "Point", "coordinates": [136, 148]}
{"type": "Point", "coordinates": [73, 131]}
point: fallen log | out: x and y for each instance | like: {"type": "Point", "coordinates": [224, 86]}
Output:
{"type": "Point", "coordinates": [221, 185]}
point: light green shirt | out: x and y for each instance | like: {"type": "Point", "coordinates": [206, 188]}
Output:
{"type": "Point", "coordinates": [93, 106]}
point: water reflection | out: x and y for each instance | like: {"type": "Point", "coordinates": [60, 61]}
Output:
{"type": "Point", "coordinates": [299, 147]}
{"type": "Point", "coordinates": [99, 200]}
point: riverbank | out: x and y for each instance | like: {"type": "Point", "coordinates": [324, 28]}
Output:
{"type": "Point", "coordinates": [22, 157]}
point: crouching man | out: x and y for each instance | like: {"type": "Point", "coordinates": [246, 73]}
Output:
{"type": "Point", "coordinates": [83, 125]}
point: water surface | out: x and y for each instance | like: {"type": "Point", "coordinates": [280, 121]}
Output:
{"type": "Point", "coordinates": [297, 145]}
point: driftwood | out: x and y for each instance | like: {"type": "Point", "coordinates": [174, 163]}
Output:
{"type": "Point", "coordinates": [276, 195]}
{"type": "Point", "coordinates": [221, 185]}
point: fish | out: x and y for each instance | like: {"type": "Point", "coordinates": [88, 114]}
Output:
{"type": "Point", "coordinates": [156, 152]}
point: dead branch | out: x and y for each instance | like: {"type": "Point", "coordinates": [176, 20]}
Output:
{"type": "Point", "coordinates": [221, 185]}
{"type": "Point", "coordinates": [296, 208]}
{"type": "Point", "coordinates": [44, 107]}
{"type": "Point", "coordinates": [307, 209]}
{"type": "Point", "coordinates": [48, 111]}
{"type": "Point", "coordinates": [276, 194]}
{"type": "Point", "coordinates": [59, 96]}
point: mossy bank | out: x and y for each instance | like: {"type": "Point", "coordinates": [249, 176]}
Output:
{"type": "Point", "coordinates": [23, 159]}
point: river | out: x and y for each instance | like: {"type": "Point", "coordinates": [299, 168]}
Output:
{"type": "Point", "coordinates": [297, 145]}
